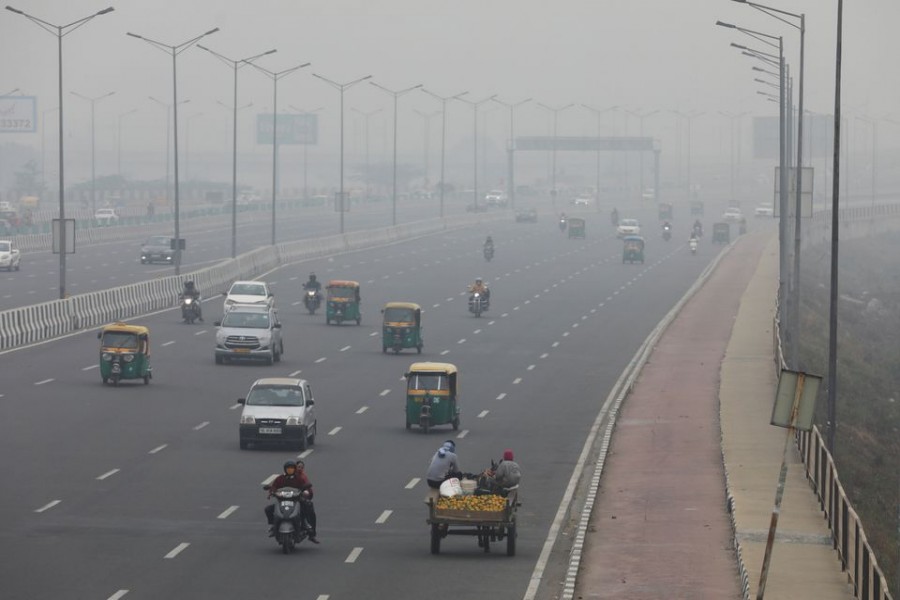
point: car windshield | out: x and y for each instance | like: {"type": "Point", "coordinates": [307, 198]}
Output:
{"type": "Point", "coordinates": [248, 289]}
{"type": "Point", "coordinates": [428, 381]}
{"type": "Point", "coordinates": [399, 315]}
{"type": "Point", "coordinates": [4, 246]}
{"type": "Point", "coordinates": [119, 339]}
{"type": "Point", "coordinates": [629, 222]}
{"type": "Point", "coordinates": [342, 292]}
{"type": "Point", "coordinates": [158, 240]}
{"type": "Point", "coordinates": [275, 396]}
{"type": "Point", "coordinates": [250, 320]}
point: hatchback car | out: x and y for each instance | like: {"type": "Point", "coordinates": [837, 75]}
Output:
{"type": "Point", "coordinates": [732, 215]}
{"type": "Point", "coordinates": [278, 410]}
{"type": "Point", "coordinates": [106, 217]}
{"type": "Point", "coordinates": [628, 227]}
{"type": "Point", "coordinates": [157, 248]}
{"type": "Point", "coordinates": [249, 332]}
{"type": "Point", "coordinates": [764, 210]}
{"type": "Point", "coordinates": [248, 292]}
{"type": "Point", "coordinates": [9, 255]}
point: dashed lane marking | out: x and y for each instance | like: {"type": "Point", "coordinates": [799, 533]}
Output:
{"type": "Point", "coordinates": [384, 392]}
{"type": "Point", "coordinates": [177, 550]}
{"type": "Point", "coordinates": [362, 409]}
{"type": "Point", "coordinates": [320, 360]}
{"type": "Point", "coordinates": [555, 344]}
{"type": "Point", "coordinates": [373, 334]}
{"type": "Point", "coordinates": [169, 343]}
{"type": "Point", "coordinates": [201, 332]}
{"type": "Point", "coordinates": [90, 367]}
{"type": "Point", "coordinates": [201, 425]}
{"type": "Point", "coordinates": [118, 595]}
{"type": "Point", "coordinates": [483, 414]}
{"type": "Point", "coordinates": [501, 396]}
{"type": "Point", "coordinates": [160, 448]}
{"type": "Point", "coordinates": [476, 332]}
{"type": "Point", "coordinates": [306, 453]}
{"type": "Point", "coordinates": [383, 517]}
{"type": "Point", "coordinates": [530, 367]}
{"type": "Point", "coordinates": [461, 341]}
{"type": "Point", "coordinates": [107, 474]}
{"type": "Point", "coordinates": [445, 353]}
{"type": "Point", "coordinates": [295, 373]}
{"type": "Point", "coordinates": [227, 512]}
{"type": "Point", "coordinates": [462, 434]}
{"type": "Point", "coordinates": [335, 430]}
{"type": "Point", "coordinates": [354, 554]}
{"type": "Point", "coordinates": [235, 406]}
{"type": "Point", "coordinates": [47, 506]}
{"type": "Point", "coordinates": [345, 348]}
{"type": "Point", "coordinates": [565, 334]}
{"type": "Point", "coordinates": [517, 381]}
{"type": "Point", "coordinates": [491, 322]}
{"type": "Point", "coordinates": [504, 315]}
{"type": "Point", "coordinates": [544, 355]}
{"type": "Point", "coordinates": [43, 381]}
{"type": "Point", "coordinates": [269, 479]}
{"type": "Point", "coordinates": [412, 483]}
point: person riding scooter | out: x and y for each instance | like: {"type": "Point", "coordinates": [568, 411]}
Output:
{"type": "Point", "coordinates": [479, 287]}
{"type": "Point", "coordinates": [191, 291]}
{"type": "Point", "coordinates": [292, 477]}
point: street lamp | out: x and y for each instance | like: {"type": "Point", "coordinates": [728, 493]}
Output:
{"type": "Point", "coordinates": [275, 76]}
{"type": "Point", "coordinates": [305, 147]}
{"type": "Point", "coordinates": [368, 115]}
{"type": "Point", "coordinates": [555, 112]}
{"type": "Point", "coordinates": [475, 105]}
{"type": "Point", "coordinates": [341, 87]}
{"type": "Point", "coordinates": [443, 100]}
{"type": "Point", "coordinates": [235, 65]}
{"type": "Point", "coordinates": [512, 106]}
{"type": "Point", "coordinates": [641, 116]}
{"type": "Point", "coordinates": [60, 31]}
{"type": "Point", "coordinates": [43, 155]}
{"type": "Point", "coordinates": [119, 140]}
{"type": "Point", "coordinates": [174, 51]}
{"type": "Point", "coordinates": [168, 108]}
{"type": "Point", "coordinates": [396, 94]}
{"type": "Point", "coordinates": [426, 117]}
{"type": "Point", "coordinates": [93, 102]}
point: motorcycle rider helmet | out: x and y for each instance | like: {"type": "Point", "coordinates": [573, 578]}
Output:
{"type": "Point", "coordinates": [478, 280]}
{"type": "Point", "coordinates": [289, 464]}
{"type": "Point", "coordinates": [312, 276]}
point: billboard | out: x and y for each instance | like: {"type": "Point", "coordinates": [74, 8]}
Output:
{"type": "Point", "coordinates": [18, 114]}
{"type": "Point", "coordinates": [295, 129]}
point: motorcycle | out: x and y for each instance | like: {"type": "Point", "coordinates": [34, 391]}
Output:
{"type": "Point", "coordinates": [287, 526]}
{"type": "Point", "coordinates": [478, 303]}
{"type": "Point", "coordinates": [562, 225]}
{"type": "Point", "coordinates": [488, 253]}
{"type": "Point", "coordinates": [693, 245]}
{"type": "Point", "coordinates": [667, 233]}
{"type": "Point", "coordinates": [312, 300]}
{"type": "Point", "coordinates": [190, 309]}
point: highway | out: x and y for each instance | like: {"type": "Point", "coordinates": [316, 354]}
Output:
{"type": "Point", "coordinates": [141, 491]}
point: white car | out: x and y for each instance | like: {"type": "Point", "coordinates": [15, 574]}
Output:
{"type": "Point", "coordinates": [732, 215]}
{"type": "Point", "coordinates": [9, 255]}
{"type": "Point", "coordinates": [583, 201]}
{"type": "Point", "coordinates": [248, 292]}
{"type": "Point", "coordinates": [495, 198]}
{"type": "Point", "coordinates": [628, 227]}
{"type": "Point", "coordinates": [106, 217]}
{"type": "Point", "coordinates": [278, 410]}
{"type": "Point", "coordinates": [764, 210]}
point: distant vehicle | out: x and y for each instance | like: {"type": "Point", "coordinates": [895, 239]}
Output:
{"type": "Point", "coordinates": [732, 215]}
{"type": "Point", "coordinates": [527, 215]}
{"type": "Point", "coordinates": [104, 217]}
{"type": "Point", "coordinates": [628, 227]}
{"type": "Point", "coordinates": [248, 292]}
{"type": "Point", "coordinates": [6, 228]}
{"type": "Point", "coordinates": [9, 255]}
{"type": "Point", "coordinates": [280, 410]}
{"type": "Point", "coordinates": [583, 201]}
{"type": "Point", "coordinates": [6, 206]}
{"type": "Point", "coordinates": [648, 194]}
{"type": "Point", "coordinates": [248, 198]}
{"type": "Point", "coordinates": [249, 332]}
{"type": "Point", "coordinates": [764, 210]}
{"type": "Point", "coordinates": [496, 198]}
{"type": "Point", "coordinates": [158, 248]}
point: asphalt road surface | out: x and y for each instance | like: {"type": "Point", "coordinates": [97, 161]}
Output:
{"type": "Point", "coordinates": [141, 491]}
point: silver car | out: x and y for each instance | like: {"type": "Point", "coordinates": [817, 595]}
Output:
{"type": "Point", "coordinates": [278, 410]}
{"type": "Point", "coordinates": [249, 332]}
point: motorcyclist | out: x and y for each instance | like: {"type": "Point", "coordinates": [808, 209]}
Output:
{"type": "Point", "coordinates": [313, 284]}
{"type": "Point", "coordinates": [698, 228]}
{"type": "Point", "coordinates": [479, 287]}
{"type": "Point", "coordinates": [190, 291]}
{"type": "Point", "coordinates": [666, 226]}
{"type": "Point", "coordinates": [614, 216]}
{"type": "Point", "coordinates": [489, 243]}
{"type": "Point", "coordinates": [293, 477]}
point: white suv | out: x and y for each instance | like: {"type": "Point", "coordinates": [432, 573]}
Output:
{"type": "Point", "coordinates": [278, 410]}
{"type": "Point", "coordinates": [9, 255]}
{"type": "Point", "coordinates": [106, 217]}
{"type": "Point", "coordinates": [628, 227]}
{"type": "Point", "coordinates": [248, 292]}
{"type": "Point", "coordinates": [249, 332]}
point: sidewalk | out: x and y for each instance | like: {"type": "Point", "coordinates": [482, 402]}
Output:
{"type": "Point", "coordinates": [660, 528]}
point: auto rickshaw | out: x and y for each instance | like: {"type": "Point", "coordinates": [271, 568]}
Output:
{"type": "Point", "coordinates": [721, 233]}
{"type": "Point", "coordinates": [124, 353]}
{"type": "Point", "coordinates": [665, 211]}
{"type": "Point", "coordinates": [431, 395]}
{"type": "Point", "coordinates": [576, 228]}
{"type": "Point", "coordinates": [401, 327]}
{"type": "Point", "coordinates": [343, 302]}
{"type": "Point", "coordinates": [697, 208]}
{"type": "Point", "coordinates": [633, 249]}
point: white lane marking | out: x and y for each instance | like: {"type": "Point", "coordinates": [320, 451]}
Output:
{"type": "Point", "coordinates": [583, 317]}
{"type": "Point", "coordinates": [461, 341]}
{"type": "Point", "coordinates": [118, 595]}
{"type": "Point", "coordinates": [362, 409]}
{"type": "Point", "coordinates": [515, 308]}
{"type": "Point", "coordinates": [344, 349]}
{"type": "Point", "coordinates": [201, 425]}
{"type": "Point", "coordinates": [47, 506]}
{"type": "Point", "coordinates": [295, 373]}
{"type": "Point", "coordinates": [544, 355]}
{"type": "Point", "coordinates": [483, 414]}
{"type": "Point", "coordinates": [517, 381]}
{"type": "Point", "coordinates": [528, 302]}
{"type": "Point", "coordinates": [354, 554]}
{"type": "Point", "coordinates": [501, 396]}
{"type": "Point", "coordinates": [477, 331]}
{"type": "Point", "coordinates": [305, 453]}
{"type": "Point", "coordinates": [107, 474]}
{"type": "Point", "coordinates": [42, 382]}
{"type": "Point", "coordinates": [323, 359]}
{"type": "Point", "coordinates": [565, 334]}
{"type": "Point", "coordinates": [177, 550]}
{"type": "Point", "coordinates": [335, 430]}
{"type": "Point", "coordinates": [235, 406]}
{"type": "Point", "coordinates": [435, 305]}
{"type": "Point", "coordinates": [445, 353]}
{"type": "Point", "coordinates": [449, 299]}
{"type": "Point", "coordinates": [201, 332]}
{"type": "Point", "coordinates": [225, 513]}
{"type": "Point", "coordinates": [384, 392]}
{"type": "Point", "coordinates": [373, 334]}
{"type": "Point", "coordinates": [323, 597]}
{"type": "Point", "coordinates": [530, 367]}
{"type": "Point", "coordinates": [383, 517]}
{"type": "Point", "coordinates": [574, 325]}
{"type": "Point", "coordinates": [462, 434]}
{"type": "Point", "coordinates": [504, 315]}
{"type": "Point", "coordinates": [158, 449]}
{"type": "Point", "coordinates": [491, 322]}
{"type": "Point", "coordinates": [169, 343]}
{"type": "Point", "coordinates": [269, 479]}
{"type": "Point", "coordinates": [555, 344]}
{"type": "Point", "coordinates": [91, 367]}
{"type": "Point", "coordinates": [593, 310]}
{"type": "Point", "coordinates": [412, 483]}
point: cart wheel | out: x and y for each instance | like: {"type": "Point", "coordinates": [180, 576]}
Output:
{"type": "Point", "coordinates": [486, 539]}
{"type": "Point", "coordinates": [435, 539]}
{"type": "Point", "coordinates": [147, 379]}
{"type": "Point", "coordinates": [456, 424]}
{"type": "Point", "coordinates": [419, 349]}
{"type": "Point", "coordinates": [511, 540]}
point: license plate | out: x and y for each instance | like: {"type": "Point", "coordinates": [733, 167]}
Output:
{"type": "Point", "coordinates": [242, 350]}
{"type": "Point", "coordinates": [270, 430]}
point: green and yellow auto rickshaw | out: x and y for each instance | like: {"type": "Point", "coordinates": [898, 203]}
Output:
{"type": "Point", "coordinates": [576, 228]}
{"type": "Point", "coordinates": [401, 327]}
{"type": "Point", "coordinates": [633, 249]}
{"type": "Point", "coordinates": [342, 302]}
{"type": "Point", "coordinates": [124, 353]}
{"type": "Point", "coordinates": [432, 391]}
{"type": "Point", "coordinates": [665, 211]}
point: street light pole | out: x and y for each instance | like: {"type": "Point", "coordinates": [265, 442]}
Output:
{"type": "Point", "coordinates": [396, 94]}
{"type": "Point", "coordinates": [174, 51]}
{"type": "Point", "coordinates": [475, 105]}
{"type": "Point", "coordinates": [426, 117]}
{"type": "Point", "coordinates": [366, 116]}
{"type": "Point", "coordinates": [168, 108]}
{"type": "Point", "coordinates": [93, 102]}
{"type": "Point", "coordinates": [119, 141]}
{"type": "Point", "coordinates": [235, 65]}
{"type": "Point", "coordinates": [341, 87]}
{"type": "Point", "coordinates": [555, 112]}
{"type": "Point", "coordinates": [305, 147]}
{"type": "Point", "coordinates": [43, 155]}
{"type": "Point", "coordinates": [511, 186]}
{"type": "Point", "coordinates": [443, 100]}
{"type": "Point", "coordinates": [187, 145]}
{"type": "Point", "coordinates": [60, 31]}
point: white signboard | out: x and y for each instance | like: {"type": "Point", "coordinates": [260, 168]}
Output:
{"type": "Point", "coordinates": [18, 114]}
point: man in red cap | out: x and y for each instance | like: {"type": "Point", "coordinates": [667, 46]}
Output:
{"type": "Point", "coordinates": [507, 474]}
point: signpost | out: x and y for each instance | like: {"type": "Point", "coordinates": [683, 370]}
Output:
{"type": "Point", "coordinates": [18, 114]}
